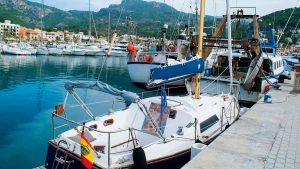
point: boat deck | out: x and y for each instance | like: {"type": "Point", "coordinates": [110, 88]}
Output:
{"type": "Point", "coordinates": [267, 136]}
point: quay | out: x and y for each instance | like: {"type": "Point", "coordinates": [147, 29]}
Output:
{"type": "Point", "coordinates": [266, 136]}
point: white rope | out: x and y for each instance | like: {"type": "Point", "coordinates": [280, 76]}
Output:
{"type": "Point", "coordinates": [295, 30]}
{"type": "Point", "coordinates": [287, 22]}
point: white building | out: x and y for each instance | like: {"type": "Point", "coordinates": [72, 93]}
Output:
{"type": "Point", "coordinates": [10, 28]}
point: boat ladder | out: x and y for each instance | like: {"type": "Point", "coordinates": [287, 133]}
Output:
{"type": "Point", "coordinates": [62, 160]}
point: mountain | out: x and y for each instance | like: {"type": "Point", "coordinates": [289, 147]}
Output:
{"type": "Point", "coordinates": [147, 16]}
{"type": "Point", "coordinates": [29, 14]}
{"type": "Point", "coordinates": [279, 19]}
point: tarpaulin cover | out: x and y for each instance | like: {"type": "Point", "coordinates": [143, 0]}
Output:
{"type": "Point", "coordinates": [103, 87]}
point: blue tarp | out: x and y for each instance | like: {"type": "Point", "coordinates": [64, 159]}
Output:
{"type": "Point", "coordinates": [103, 87]}
{"type": "Point", "coordinates": [168, 72]}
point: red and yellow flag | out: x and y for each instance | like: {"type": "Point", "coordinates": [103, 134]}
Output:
{"type": "Point", "coordinates": [87, 158]}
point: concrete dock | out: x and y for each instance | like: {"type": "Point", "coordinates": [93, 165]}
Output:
{"type": "Point", "coordinates": [267, 136]}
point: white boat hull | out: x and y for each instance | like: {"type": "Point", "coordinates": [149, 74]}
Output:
{"type": "Point", "coordinates": [95, 53]}
{"type": "Point", "coordinates": [118, 53]}
{"type": "Point", "coordinates": [42, 52]}
{"type": "Point", "coordinates": [78, 52]}
{"type": "Point", "coordinates": [15, 51]}
{"type": "Point", "coordinates": [55, 51]}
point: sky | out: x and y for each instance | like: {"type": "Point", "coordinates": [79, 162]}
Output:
{"type": "Point", "coordinates": [213, 7]}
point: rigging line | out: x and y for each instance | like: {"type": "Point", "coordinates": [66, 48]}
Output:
{"type": "Point", "coordinates": [94, 26]}
{"type": "Point", "coordinates": [295, 30]}
{"type": "Point", "coordinates": [103, 63]}
{"type": "Point", "coordinates": [179, 15]}
{"type": "Point", "coordinates": [287, 22]}
{"type": "Point", "coordinates": [121, 11]}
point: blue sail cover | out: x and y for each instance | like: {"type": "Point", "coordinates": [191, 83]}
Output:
{"type": "Point", "coordinates": [102, 87]}
{"type": "Point", "coordinates": [168, 72]}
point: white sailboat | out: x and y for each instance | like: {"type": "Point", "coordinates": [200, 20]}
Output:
{"type": "Point", "coordinates": [132, 137]}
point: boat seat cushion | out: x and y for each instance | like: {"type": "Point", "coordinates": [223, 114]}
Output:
{"type": "Point", "coordinates": [87, 135]}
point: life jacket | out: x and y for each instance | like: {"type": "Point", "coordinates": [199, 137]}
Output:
{"type": "Point", "coordinates": [130, 47]}
{"type": "Point", "coordinates": [133, 53]}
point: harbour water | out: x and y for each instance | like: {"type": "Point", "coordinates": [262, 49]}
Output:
{"type": "Point", "coordinates": [30, 87]}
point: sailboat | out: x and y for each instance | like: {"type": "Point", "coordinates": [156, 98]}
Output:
{"type": "Point", "coordinates": [42, 50]}
{"type": "Point", "coordinates": [132, 137]}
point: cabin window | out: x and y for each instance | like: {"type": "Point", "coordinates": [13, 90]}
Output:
{"type": "Point", "coordinates": [172, 114]}
{"type": "Point", "coordinates": [208, 123]}
{"type": "Point", "coordinates": [99, 148]}
{"type": "Point", "coordinates": [267, 50]}
{"type": "Point", "coordinates": [93, 127]}
{"type": "Point", "coordinates": [108, 122]}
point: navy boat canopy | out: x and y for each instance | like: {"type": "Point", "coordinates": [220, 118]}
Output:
{"type": "Point", "coordinates": [102, 87]}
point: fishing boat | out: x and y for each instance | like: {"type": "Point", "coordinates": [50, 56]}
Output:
{"type": "Point", "coordinates": [131, 137]}
{"type": "Point", "coordinates": [256, 64]}
{"type": "Point", "coordinates": [292, 59]}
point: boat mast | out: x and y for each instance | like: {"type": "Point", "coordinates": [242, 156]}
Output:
{"type": "Point", "coordinates": [42, 22]}
{"type": "Point", "coordinates": [229, 43]}
{"type": "Point", "coordinates": [108, 26]}
{"type": "Point", "coordinates": [200, 28]}
{"type": "Point", "coordinates": [90, 22]}
{"type": "Point", "coordinates": [200, 46]}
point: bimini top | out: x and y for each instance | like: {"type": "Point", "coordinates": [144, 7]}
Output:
{"type": "Point", "coordinates": [102, 87]}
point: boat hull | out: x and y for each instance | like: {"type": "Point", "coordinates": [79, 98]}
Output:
{"type": "Point", "coordinates": [55, 51]}
{"type": "Point", "coordinates": [12, 51]}
{"type": "Point", "coordinates": [174, 161]}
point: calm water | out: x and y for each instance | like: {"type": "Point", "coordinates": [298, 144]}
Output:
{"type": "Point", "coordinates": [30, 87]}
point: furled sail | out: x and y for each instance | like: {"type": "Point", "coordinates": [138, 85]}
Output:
{"type": "Point", "coordinates": [176, 72]}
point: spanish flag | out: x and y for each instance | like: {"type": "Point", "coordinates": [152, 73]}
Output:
{"type": "Point", "coordinates": [87, 158]}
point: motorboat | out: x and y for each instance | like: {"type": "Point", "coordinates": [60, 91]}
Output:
{"type": "Point", "coordinates": [77, 50]}
{"type": "Point", "coordinates": [117, 51]}
{"type": "Point", "coordinates": [42, 50]}
{"type": "Point", "coordinates": [56, 50]}
{"type": "Point", "coordinates": [92, 50]}
{"type": "Point", "coordinates": [13, 49]}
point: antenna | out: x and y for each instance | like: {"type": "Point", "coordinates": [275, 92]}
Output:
{"type": "Point", "coordinates": [229, 43]}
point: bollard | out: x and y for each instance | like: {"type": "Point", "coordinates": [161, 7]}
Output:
{"type": "Point", "coordinates": [296, 87]}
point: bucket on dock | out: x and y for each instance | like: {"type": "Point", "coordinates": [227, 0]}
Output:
{"type": "Point", "coordinates": [196, 149]}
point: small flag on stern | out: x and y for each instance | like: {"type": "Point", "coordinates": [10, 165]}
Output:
{"type": "Point", "coordinates": [87, 158]}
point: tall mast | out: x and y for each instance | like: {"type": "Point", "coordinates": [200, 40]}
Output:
{"type": "Point", "coordinates": [90, 21]}
{"type": "Point", "coordinates": [200, 28]}
{"type": "Point", "coordinates": [229, 43]}
{"type": "Point", "coordinates": [108, 31]}
{"type": "Point", "coordinates": [42, 22]}
{"type": "Point", "coordinates": [200, 43]}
